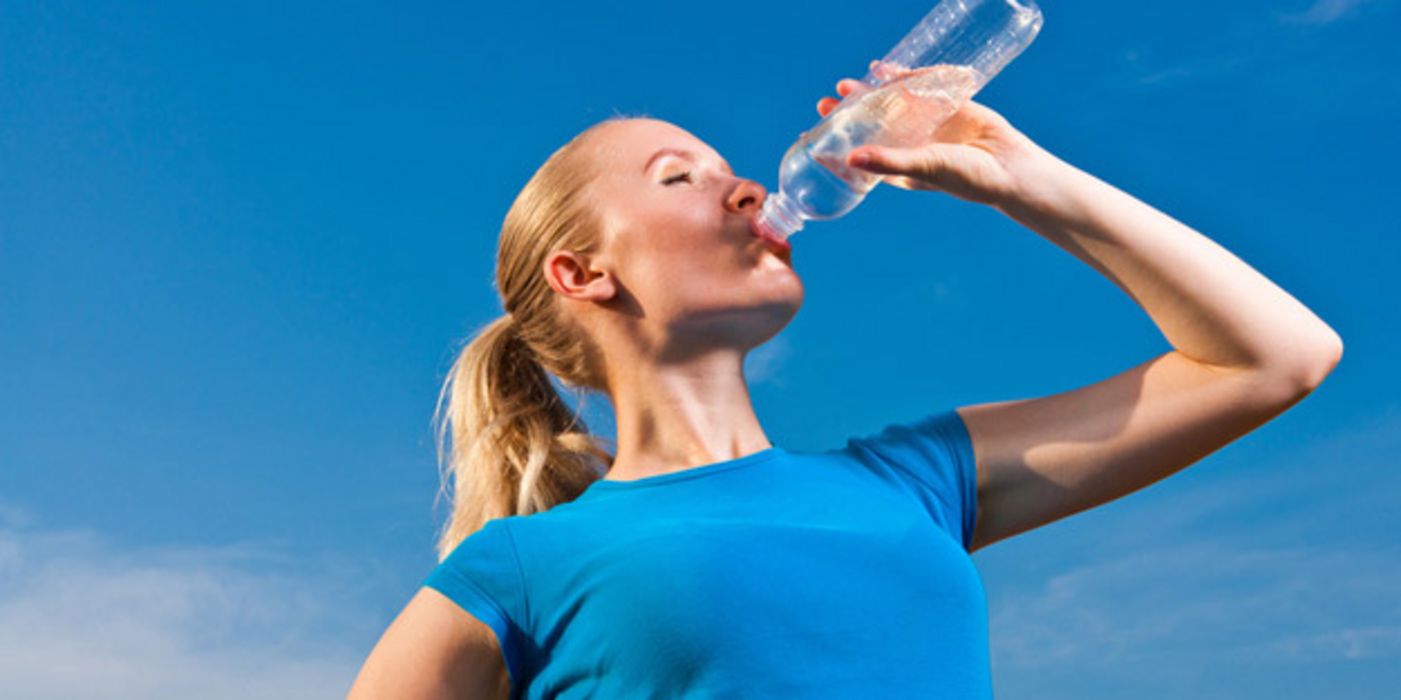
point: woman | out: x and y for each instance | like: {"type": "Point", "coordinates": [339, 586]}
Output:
{"type": "Point", "coordinates": [707, 562]}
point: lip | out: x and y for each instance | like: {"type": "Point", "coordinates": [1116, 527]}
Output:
{"type": "Point", "coordinates": [783, 249]}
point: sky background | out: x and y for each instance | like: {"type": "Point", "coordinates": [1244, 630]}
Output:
{"type": "Point", "coordinates": [240, 242]}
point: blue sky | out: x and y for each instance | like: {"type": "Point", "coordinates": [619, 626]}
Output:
{"type": "Point", "coordinates": [239, 243]}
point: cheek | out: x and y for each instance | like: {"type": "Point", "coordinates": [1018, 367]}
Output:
{"type": "Point", "coordinates": [674, 281]}
{"type": "Point", "coordinates": [685, 258]}
{"type": "Point", "coordinates": [697, 246]}
{"type": "Point", "coordinates": [679, 269]}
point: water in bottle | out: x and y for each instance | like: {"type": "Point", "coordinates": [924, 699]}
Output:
{"type": "Point", "coordinates": [955, 50]}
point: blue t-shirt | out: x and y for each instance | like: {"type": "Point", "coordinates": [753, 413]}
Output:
{"type": "Point", "coordinates": [780, 574]}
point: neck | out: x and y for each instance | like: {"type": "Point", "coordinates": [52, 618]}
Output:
{"type": "Point", "coordinates": [673, 417]}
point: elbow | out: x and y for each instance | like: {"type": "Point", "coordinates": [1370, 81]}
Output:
{"type": "Point", "coordinates": [1315, 365]}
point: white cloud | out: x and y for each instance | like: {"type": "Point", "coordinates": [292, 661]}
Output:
{"type": "Point", "coordinates": [1277, 560]}
{"type": "Point", "coordinates": [1238, 50]}
{"type": "Point", "coordinates": [763, 364]}
{"type": "Point", "coordinates": [12, 515]}
{"type": "Point", "coordinates": [1323, 12]}
{"type": "Point", "coordinates": [83, 618]}
{"type": "Point", "coordinates": [1377, 641]}
{"type": "Point", "coordinates": [1205, 603]}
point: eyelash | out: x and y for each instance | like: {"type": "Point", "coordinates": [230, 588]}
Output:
{"type": "Point", "coordinates": [674, 178]}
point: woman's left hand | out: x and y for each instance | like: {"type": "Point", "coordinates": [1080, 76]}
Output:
{"type": "Point", "coordinates": [975, 155]}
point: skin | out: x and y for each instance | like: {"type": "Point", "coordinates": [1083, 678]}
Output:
{"type": "Point", "coordinates": [678, 291]}
{"type": "Point", "coordinates": [1244, 350]}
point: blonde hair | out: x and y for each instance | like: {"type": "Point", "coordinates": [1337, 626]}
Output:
{"type": "Point", "coordinates": [516, 447]}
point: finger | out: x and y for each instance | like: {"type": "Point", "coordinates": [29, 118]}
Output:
{"type": "Point", "coordinates": [892, 161]}
{"type": "Point", "coordinates": [845, 87]}
{"type": "Point", "coordinates": [887, 70]}
{"type": "Point", "coordinates": [868, 158]}
{"type": "Point", "coordinates": [908, 183]}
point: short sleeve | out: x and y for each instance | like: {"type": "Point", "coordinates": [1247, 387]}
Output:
{"type": "Point", "coordinates": [483, 576]}
{"type": "Point", "coordinates": [932, 460]}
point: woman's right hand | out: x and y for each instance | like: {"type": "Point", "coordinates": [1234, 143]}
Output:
{"type": "Point", "coordinates": [975, 154]}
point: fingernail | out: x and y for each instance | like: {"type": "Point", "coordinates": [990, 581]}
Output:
{"type": "Point", "coordinates": [862, 158]}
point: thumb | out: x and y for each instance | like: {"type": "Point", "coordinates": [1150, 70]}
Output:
{"type": "Point", "coordinates": [915, 162]}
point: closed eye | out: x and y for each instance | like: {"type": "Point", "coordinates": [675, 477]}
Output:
{"type": "Point", "coordinates": [683, 176]}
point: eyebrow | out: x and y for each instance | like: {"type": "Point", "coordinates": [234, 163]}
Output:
{"type": "Point", "coordinates": [667, 150]}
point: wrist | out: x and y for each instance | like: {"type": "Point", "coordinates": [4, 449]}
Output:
{"type": "Point", "coordinates": [1044, 189]}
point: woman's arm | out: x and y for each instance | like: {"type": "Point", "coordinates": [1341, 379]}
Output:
{"type": "Point", "coordinates": [1244, 349]}
{"type": "Point", "coordinates": [1209, 304]}
{"type": "Point", "coordinates": [433, 650]}
{"type": "Point", "coordinates": [1212, 307]}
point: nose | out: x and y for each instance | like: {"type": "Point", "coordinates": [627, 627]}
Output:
{"type": "Point", "coordinates": [745, 197]}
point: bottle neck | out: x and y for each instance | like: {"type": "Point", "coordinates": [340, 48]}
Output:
{"type": "Point", "coordinates": [780, 215]}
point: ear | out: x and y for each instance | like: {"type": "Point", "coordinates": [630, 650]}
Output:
{"type": "Point", "coordinates": [572, 275]}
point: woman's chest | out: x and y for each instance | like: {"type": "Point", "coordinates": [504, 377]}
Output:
{"type": "Point", "coordinates": [698, 591]}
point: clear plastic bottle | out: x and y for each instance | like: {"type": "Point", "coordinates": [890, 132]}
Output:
{"type": "Point", "coordinates": [951, 54]}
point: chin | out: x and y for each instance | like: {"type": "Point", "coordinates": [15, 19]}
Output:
{"type": "Point", "coordinates": [777, 313]}
{"type": "Point", "coordinates": [749, 314]}
{"type": "Point", "coordinates": [783, 290]}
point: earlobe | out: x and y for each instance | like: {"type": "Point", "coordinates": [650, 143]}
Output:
{"type": "Point", "coordinates": [570, 274]}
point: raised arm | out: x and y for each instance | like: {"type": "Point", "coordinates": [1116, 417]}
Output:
{"type": "Point", "coordinates": [1244, 349]}
{"type": "Point", "coordinates": [1244, 352]}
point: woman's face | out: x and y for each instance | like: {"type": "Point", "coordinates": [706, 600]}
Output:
{"type": "Point", "coordinates": [676, 238]}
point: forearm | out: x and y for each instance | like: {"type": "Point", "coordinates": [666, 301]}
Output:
{"type": "Point", "coordinates": [1211, 306]}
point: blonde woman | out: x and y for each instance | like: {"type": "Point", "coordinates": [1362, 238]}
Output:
{"type": "Point", "coordinates": [700, 560]}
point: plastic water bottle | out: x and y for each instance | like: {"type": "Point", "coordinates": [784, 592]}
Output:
{"type": "Point", "coordinates": [951, 54]}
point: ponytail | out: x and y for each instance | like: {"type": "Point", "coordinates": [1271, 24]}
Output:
{"type": "Point", "coordinates": [517, 448]}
